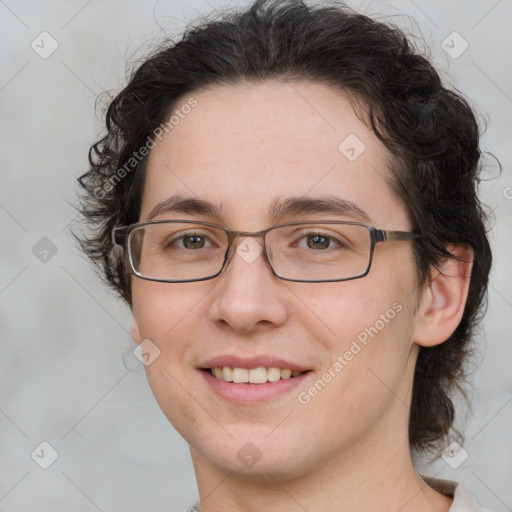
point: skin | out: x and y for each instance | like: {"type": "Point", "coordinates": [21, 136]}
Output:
{"type": "Point", "coordinates": [347, 449]}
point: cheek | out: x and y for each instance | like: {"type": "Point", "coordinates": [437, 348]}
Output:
{"type": "Point", "coordinates": [354, 310]}
{"type": "Point", "coordinates": [173, 395]}
{"type": "Point", "coordinates": [366, 366]}
{"type": "Point", "coordinates": [161, 309]}
{"type": "Point", "coordinates": [166, 315]}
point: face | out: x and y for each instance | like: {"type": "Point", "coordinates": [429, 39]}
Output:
{"type": "Point", "coordinates": [244, 148]}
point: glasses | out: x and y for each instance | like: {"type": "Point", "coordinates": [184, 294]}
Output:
{"type": "Point", "coordinates": [179, 251]}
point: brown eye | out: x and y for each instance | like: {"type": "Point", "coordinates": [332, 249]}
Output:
{"type": "Point", "coordinates": [193, 242]}
{"type": "Point", "coordinates": [318, 242]}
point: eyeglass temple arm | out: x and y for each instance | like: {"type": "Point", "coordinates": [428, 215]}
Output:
{"type": "Point", "coordinates": [382, 235]}
{"type": "Point", "coordinates": [119, 236]}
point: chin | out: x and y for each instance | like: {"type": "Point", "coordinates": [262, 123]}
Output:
{"type": "Point", "coordinates": [251, 454]}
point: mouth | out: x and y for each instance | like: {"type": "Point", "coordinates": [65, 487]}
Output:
{"type": "Point", "coordinates": [258, 375]}
{"type": "Point", "coordinates": [249, 380]}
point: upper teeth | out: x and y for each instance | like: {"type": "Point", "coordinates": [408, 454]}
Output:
{"type": "Point", "coordinates": [252, 375]}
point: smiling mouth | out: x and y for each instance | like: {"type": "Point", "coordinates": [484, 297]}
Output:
{"type": "Point", "coordinates": [260, 375]}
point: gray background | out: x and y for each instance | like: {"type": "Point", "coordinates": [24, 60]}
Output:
{"type": "Point", "coordinates": [68, 375]}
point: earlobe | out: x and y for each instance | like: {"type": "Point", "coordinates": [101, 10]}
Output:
{"type": "Point", "coordinates": [444, 299]}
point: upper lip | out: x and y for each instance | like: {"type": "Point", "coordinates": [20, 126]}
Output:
{"type": "Point", "coordinates": [262, 361]}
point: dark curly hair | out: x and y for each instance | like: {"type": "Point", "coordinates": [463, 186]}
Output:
{"type": "Point", "coordinates": [431, 132]}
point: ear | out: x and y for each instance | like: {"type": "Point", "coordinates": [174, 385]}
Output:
{"type": "Point", "coordinates": [443, 300]}
{"type": "Point", "coordinates": [135, 332]}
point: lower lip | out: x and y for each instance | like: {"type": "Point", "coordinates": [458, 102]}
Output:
{"type": "Point", "coordinates": [251, 393]}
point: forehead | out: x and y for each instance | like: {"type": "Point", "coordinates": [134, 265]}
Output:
{"type": "Point", "coordinates": [246, 146]}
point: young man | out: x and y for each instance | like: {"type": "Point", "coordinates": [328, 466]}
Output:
{"type": "Point", "coordinates": [286, 200]}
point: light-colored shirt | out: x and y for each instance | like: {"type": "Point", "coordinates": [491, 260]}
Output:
{"type": "Point", "coordinates": [463, 501]}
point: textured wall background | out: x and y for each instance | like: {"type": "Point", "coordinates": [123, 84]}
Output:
{"type": "Point", "coordinates": [67, 373]}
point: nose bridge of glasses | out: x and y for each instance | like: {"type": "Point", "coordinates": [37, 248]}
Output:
{"type": "Point", "coordinates": [248, 252]}
{"type": "Point", "coordinates": [233, 235]}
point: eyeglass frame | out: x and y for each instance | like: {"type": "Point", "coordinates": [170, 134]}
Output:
{"type": "Point", "coordinates": [121, 234]}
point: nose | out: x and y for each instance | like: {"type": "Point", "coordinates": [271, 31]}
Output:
{"type": "Point", "coordinates": [249, 296]}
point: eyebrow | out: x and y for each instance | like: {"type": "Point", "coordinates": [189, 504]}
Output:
{"type": "Point", "coordinates": [278, 209]}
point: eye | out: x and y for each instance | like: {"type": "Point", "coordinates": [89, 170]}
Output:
{"type": "Point", "coordinates": [318, 241]}
{"type": "Point", "coordinates": [190, 241]}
